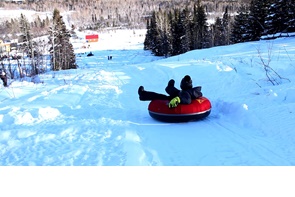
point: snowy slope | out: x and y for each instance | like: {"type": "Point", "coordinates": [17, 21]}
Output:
{"type": "Point", "coordinates": [92, 116]}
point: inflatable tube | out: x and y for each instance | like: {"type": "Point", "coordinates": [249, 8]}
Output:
{"type": "Point", "coordinates": [198, 109]}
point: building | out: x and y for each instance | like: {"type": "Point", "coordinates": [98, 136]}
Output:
{"type": "Point", "coordinates": [92, 38]}
{"type": "Point", "coordinates": [4, 47]}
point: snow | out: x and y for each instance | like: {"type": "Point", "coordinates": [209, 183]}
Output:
{"type": "Point", "coordinates": [92, 116]}
{"type": "Point", "coordinates": [7, 14]}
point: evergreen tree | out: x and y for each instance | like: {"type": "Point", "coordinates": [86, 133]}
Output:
{"type": "Point", "coordinates": [62, 52]}
{"type": "Point", "coordinates": [162, 42]}
{"type": "Point", "coordinates": [38, 22]}
{"type": "Point", "coordinates": [226, 28]}
{"type": "Point", "coordinates": [199, 27]}
{"type": "Point", "coordinates": [54, 40]}
{"type": "Point", "coordinates": [156, 40]}
{"type": "Point", "coordinates": [290, 15]}
{"type": "Point", "coordinates": [257, 17]}
{"type": "Point", "coordinates": [167, 36]}
{"type": "Point", "coordinates": [46, 22]}
{"type": "Point", "coordinates": [170, 34]}
{"type": "Point", "coordinates": [148, 36]}
{"type": "Point", "coordinates": [240, 31]}
{"type": "Point", "coordinates": [273, 19]}
{"type": "Point", "coordinates": [26, 38]}
{"type": "Point", "coordinates": [177, 33]}
{"type": "Point", "coordinates": [281, 17]}
{"type": "Point", "coordinates": [186, 39]}
{"type": "Point", "coordinates": [220, 31]}
{"type": "Point", "coordinates": [217, 33]}
{"type": "Point", "coordinates": [152, 34]}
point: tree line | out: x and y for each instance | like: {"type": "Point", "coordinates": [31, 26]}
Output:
{"type": "Point", "coordinates": [10, 28]}
{"type": "Point", "coordinates": [99, 14]}
{"type": "Point", "coordinates": [176, 31]}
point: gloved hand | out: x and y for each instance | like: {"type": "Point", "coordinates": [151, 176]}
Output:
{"type": "Point", "coordinates": [174, 102]}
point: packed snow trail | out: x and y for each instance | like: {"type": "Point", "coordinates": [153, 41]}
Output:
{"type": "Point", "coordinates": [92, 115]}
{"type": "Point", "coordinates": [221, 139]}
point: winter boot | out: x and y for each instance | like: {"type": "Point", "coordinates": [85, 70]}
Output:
{"type": "Point", "coordinates": [171, 89]}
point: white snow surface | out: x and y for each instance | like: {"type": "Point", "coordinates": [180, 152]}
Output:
{"type": "Point", "coordinates": [7, 14]}
{"type": "Point", "coordinates": [92, 116]}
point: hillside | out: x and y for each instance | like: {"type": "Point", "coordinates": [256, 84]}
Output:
{"type": "Point", "coordinates": [92, 116]}
{"type": "Point", "coordinates": [118, 13]}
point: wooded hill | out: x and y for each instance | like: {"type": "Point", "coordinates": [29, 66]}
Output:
{"type": "Point", "coordinates": [173, 32]}
{"type": "Point", "coordinates": [96, 14]}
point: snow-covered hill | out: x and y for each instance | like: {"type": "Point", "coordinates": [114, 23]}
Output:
{"type": "Point", "coordinates": [92, 116]}
{"type": "Point", "coordinates": [8, 14]}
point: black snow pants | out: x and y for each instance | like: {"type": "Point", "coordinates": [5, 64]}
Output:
{"type": "Point", "coordinates": [149, 96]}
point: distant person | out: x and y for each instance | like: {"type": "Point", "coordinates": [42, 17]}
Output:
{"type": "Point", "coordinates": [3, 78]}
{"type": "Point", "coordinates": [90, 54]}
{"type": "Point", "coordinates": [176, 96]}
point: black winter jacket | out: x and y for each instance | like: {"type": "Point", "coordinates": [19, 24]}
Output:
{"type": "Point", "coordinates": [186, 96]}
{"type": "Point", "coordinates": [187, 92]}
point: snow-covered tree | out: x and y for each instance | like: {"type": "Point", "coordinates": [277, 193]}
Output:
{"type": "Point", "coordinates": [281, 16]}
{"type": "Point", "coordinates": [62, 51]}
{"type": "Point", "coordinates": [27, 43]}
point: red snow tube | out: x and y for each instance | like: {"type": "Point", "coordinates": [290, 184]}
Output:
{"type": "Point", "coordinates": [198, 109]}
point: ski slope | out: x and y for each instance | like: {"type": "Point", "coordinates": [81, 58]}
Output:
{"type": "Point", "coordinates": [92, 116]}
